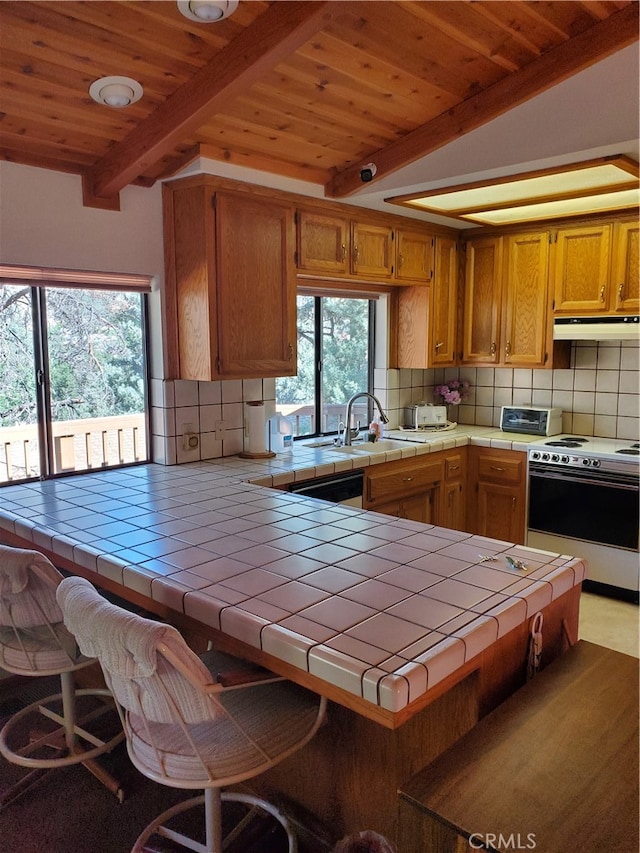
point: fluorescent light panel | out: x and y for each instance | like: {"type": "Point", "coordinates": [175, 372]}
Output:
{"type": "Point", "coordinates": [590, 187]}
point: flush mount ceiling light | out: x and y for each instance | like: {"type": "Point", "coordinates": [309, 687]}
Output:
{"type": "Point", "coordinates": [594, 186]}
{"type": "Point", "coordinates": [115, 91]}
{"type": "Point", "coordinates": [207, 11]}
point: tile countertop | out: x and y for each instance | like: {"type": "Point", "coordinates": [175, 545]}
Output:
{"type": "Point", "coordinates": [383, 608]}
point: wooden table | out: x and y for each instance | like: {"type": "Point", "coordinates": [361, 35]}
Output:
{"type": "Point", "coordinates": [553, 769]}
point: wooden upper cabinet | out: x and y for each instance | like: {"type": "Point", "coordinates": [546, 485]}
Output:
{"type": "Point", "coordinates": [414, 256]}
{"type": "Point", "coordinates": [372, 254]}
{"type": "Point", "coordinates": [526, 330]}
{"type": "Point", "coordinates": [625, 267]}
{"type": "Point", "coordinates": [581, 270]}
{"type": "Point", "coordinates": [230, 265]}
{"type": "Point", "coordinates": [483, 289]}
{"type": "Point", "coordinates": [343, 246]}
{"type": "Point", "coordinates": [507, 312]}
{"type": "Point", "coordinates": [427, 315]}
{"type": "Point", "coordinates": [256, 287]}
{"type": "Point", "coordinates": [323, 242]}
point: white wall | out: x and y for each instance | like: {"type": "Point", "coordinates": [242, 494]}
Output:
{"type": "Point", "coordinates": [43, 222]}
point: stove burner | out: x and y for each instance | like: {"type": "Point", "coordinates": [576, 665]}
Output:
{"type": "Point", "coordinates": [631, 451]}
{"type": "Point", "coordinates": [563, 443]}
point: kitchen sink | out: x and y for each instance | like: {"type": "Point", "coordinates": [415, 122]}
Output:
{"type": "Point", "coordinates": [369, 447]}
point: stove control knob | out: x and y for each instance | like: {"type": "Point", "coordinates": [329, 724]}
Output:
{"type": "Point", "coordinates": [555, 457]}
{"type": "Point", "coordinates": [535, 454]}
{"type": "Point", "coordinates": [564, 458]}
{"type": "Point", "coordinates": [595, 463]}
{"type": "Point", "coordinates": [545, 457]}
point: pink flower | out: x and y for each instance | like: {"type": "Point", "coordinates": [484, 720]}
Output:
{"type": "Point", "coordinates": [453, 392]}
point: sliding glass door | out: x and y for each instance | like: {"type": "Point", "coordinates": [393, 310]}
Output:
{"type": "Point", "coordinates": [73, 390]}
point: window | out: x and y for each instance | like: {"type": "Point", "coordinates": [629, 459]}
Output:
{"type": "Point", "coordinates": [335, 361]}
{"type": "Point", "coordinates": [73, 375]}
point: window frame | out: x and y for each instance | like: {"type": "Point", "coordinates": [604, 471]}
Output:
{"type": "Point", "coordinates": [318, 295]}
{"type": "Point", "coordinates": [39, 280]}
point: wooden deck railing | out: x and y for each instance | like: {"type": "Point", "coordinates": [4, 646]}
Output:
{"type": "Point", "coordinates": [77, 446]}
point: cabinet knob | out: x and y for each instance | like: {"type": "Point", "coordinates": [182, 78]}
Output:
{"type": "Point", "coordinates": [493, 347]}
{"type": "Point", "coordinates": [438, 345]}
{"type": "Point", "coordinates": [602, 293]}
{"type": "Point", "coordinates": [507, 349]}
{"type": "Point", "coordinates": [407, 479]}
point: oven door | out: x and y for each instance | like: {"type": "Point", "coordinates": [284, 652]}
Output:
{"type": "Point", "coordinates": [592, 506]}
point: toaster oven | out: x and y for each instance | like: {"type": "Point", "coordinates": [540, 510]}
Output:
{"type": "Point", "coordinates": [533, 420]}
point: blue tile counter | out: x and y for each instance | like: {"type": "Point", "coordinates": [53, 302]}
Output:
{"type": "Point", "coordinates": [381, 608]}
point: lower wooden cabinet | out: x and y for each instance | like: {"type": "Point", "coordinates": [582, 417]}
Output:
{"type": "Point", "coordinates": [408, 488]}
{"type": "Point", "coordinates": [453, 493]}
{"type": "Point", "coordinates": [496, 506]}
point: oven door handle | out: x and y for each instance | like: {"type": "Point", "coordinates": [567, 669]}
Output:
{"type": "Point", "coordinates": [589, 479]}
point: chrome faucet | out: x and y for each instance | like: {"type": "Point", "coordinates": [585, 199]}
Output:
{"type": "Point", "coordinates": [346, 436]}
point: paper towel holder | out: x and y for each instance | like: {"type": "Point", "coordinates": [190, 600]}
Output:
{"type": "Point", "coordinates": [257, 454]}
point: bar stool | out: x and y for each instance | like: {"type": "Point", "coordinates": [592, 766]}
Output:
{"type": "Point", "coordinates": [49, 733]}
{"type": "Point", "coordinates": [184, 728]}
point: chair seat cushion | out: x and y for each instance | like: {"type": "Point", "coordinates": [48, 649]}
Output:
{"type": "Point", "coordinates": [38, 651]}
{"type": "Point", "coordinates": [277, 718]}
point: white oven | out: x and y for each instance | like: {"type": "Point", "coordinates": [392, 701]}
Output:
{"type": "Point", "coordinates": [583, 500]}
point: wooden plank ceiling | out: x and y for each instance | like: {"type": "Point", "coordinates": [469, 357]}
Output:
{"type": "Point", "coordinates": [310, 90]}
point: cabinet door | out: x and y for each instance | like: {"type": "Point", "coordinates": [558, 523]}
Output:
{"type": "Point", "coordinates": [500, 512]}
{"type": "Point", "coordinates": [483, 283]}
{"type": "Point", "coordinates": [625, 267]}
{"type": "Point", "coordinates": [452, 505]}
{"type": "Point", "coordinates": [445, 303]}
{"type": "Point", "coordinates": [526, 326]}
{"type": "Point", "coordinates": [414, 256]}
{"type": "Point", "coordinates": [323, 243]}
{"type": "Point", "coordinates": [255, 283]}
{"type": "Point", "coordinates": [581, 270]}
{"type": "Point", "coordinates": [420, 507]}
{"type": "Point", "coordinates": [371, 250]}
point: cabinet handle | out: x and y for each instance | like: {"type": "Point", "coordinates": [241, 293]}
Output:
{"type": "Point", "coordinates": [407, 479]}
{"type": "Point", "coordinates": [620, 292]}
{"type": "Point", "coordinates": [290, 352]}
{"type": "Point", "coordinates": [496, 468]}
{"type": "Point", "coordinates": [602, 293]}
{"type": "Point", "coordinates": [400, 260]}
{"type": "Point", "coordinates": [513, 503]}
{"type": "Point", "coordinates": [439, 344]}
{"type": "Point", "coordinates": [454, 467]}
{"type": "Point", "coordinates": [493, 347]}
{"type": "Point", "coordinates": [507, 349]}
{"type": "Point", "coordinates": [344, 251]}
{"type": "Point", "coordinates": [355, 254]}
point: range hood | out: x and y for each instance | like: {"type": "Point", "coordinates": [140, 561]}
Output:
{"type": "Point", "coordinates": [623, 328]}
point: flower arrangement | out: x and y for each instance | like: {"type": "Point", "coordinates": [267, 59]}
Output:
{"type": "Point", "coordinates": [453, 392]}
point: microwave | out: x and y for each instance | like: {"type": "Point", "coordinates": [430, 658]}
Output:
{"type": "Point", "coordinates": [532, 420]}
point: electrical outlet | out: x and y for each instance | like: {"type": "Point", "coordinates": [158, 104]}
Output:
{"type": "Point", "coordinates": [190, 441]}
{"type": "Point", "coordinates": [219, 430]}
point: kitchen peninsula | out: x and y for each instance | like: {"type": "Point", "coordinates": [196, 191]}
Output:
{"type": "Point", "coordinates": [400, 624]}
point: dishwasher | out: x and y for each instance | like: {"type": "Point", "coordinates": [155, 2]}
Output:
{"type": "Point", "coordinates": [343, 488]}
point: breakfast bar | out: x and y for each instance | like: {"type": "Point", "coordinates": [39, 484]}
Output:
{"type": "Point", "coordinates": [414, 632]}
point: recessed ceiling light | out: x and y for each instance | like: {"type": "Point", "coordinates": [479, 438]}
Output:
{"type": "Point", "coordinates": [607, 184]}
{"type": "Point", "coordinates": [207, 11]}
{"type": "Point", "coordinates": [115, 92]}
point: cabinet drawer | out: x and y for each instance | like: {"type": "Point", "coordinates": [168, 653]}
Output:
{"type": "Point", "coordinates": [453, 467]}
{"type": "Point", "coordinates": [498, 469]}
{"type": "Point", "coordinates": [403, 480]}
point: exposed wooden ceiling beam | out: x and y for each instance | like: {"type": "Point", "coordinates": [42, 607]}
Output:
{"type": "Point", "coordinates": [271, 38]}
{"type": "Point", "coordinates": [560, 63]}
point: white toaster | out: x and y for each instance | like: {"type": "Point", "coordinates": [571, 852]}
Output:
{"type": "Point", "coordinates": [424, 415]}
